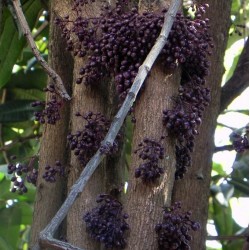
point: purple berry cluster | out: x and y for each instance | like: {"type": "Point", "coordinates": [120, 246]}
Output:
{"type": "Point", "coordinates": [151, 152]}
{"type": "Point", "coordinates": [192, 48]}
{"type": "Point", "coordinates": [53, 171]}
{"type": "Point", "coordinates": [241, 142]}
{"type": "Point", "coordinates": [117, 42]}
{"type": "Point", "coordinates": [173, 232]}
{"type": "Point", "coordinates": [50, 110]}
{"type": "Point", "coordinates": [106, 223]}
{"type": "Point", "coordinates": [21, 173]}
{"type": "Point", "coordinates": [87, 141]}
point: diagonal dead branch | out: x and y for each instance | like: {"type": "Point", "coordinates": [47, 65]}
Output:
{"type": "Point", "coordinates": [46, 236]}
{"type": "Point", "coordinates": [27, 33]}
{"type": "Point", "coordinates": [238, 82]}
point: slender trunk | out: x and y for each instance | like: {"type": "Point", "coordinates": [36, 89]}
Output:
{"type": "Point", "coordinates": [110, 173]}
{"type": "Point", "coordinates": [49, 196]}
{"type": "Point", "coordinates": [144, 203]}
{"type": "Point", "coordinates": [193, 190]}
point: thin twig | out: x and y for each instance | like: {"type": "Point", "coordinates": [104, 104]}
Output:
{"type": "Point", "coordinates": [228, 237]}
{"type": "Point", "coordinates": [224, 148]}
{"type": "Point", "coordinates": [41, 28]}
{"type": "Point", "coordinates": [46, 236]}
{"type": "Point", "coordinates": [19, 140]}
{"type": "Point", "coordinates": [27, 33]}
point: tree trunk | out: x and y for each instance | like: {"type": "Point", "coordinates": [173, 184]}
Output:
{"type": "Point", "coordinates": [193, 190]}
{"type": "Point", "coordinates": [110, 173]}
{"type": "Point", "coordinates": [145, 201]}
{"type": "Point", "coordinates": [49, 196]}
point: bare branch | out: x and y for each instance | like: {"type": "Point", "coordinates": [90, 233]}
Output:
{"type": "Point", "coordinates": [47, 234]}
{"type": "Point", "coordinates": [238, 82]}
{"type": "Point", "coordinates": [43, 26]}
{"type": "Point", "coordinates": [19, 140]}
{"type": "Point", "coordinates": [57, 244]}
{"type": "Point", "coordinates": [27, 33]}
{"type": "Point", "coordinates": [224, 148]}
{"type": "Point", "coordinates": [228, 237]}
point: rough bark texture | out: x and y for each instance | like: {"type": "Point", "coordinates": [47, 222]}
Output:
{"type": "Point", "coordinates": [85, 99]}
{"type": "Point", "coordinates": [145, 202]}
{"type": "Point", "coordinates": [193, 190]}
{"type": "Point", "coordinates": [49, 196]}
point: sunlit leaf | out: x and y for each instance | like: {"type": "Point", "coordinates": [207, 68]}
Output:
{"type": "Point", "coordinates": [219, 169]}
{"type": "Point", "coordinates": [222, 218]}
{"type": "Point", "coordinates": [10, 45]}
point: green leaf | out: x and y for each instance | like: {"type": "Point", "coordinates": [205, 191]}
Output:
{"type": "Point", "coordinates": [4, 245]}
{"type": "Point", "coordinates": [16, 111]}
{"type": "Point", "coordinates": [219, 169]}
{"type": "Point", "coordinates": [5, 188]}
{"type": "Point", "coordinates": [3, 170]}
{"type": "Point", "coordinates": [242, 111]}
{"type": "Point", "coordinates": [10, 234]}
{"type": "Point", "coordinates": [10, 45]}
{"type": "Point", "coordinates": [30, 80]}
{"type": "Point", "coordinates": [242, 187]}
{"type": "Point", "coordinates": [222, 217]}
{"type": "Point", "coordinates": [26, 94]}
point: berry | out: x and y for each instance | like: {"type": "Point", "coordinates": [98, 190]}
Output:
{"type": "Point", "coordinates": [241, 141]}
{"type": "Point", "coordinates": [53, 171]}
{"type": "Point", "coordinates": [151, 152]}
{"type": "Point", "coordinates": [87, 141]}
{"type": "Point", "coordinates": [50, 112]}
{"type": "Point", "coordinates": [173, 231]}
{"type": "Point", "coordinates": [106, 223]}
{"type": "Point", "coordinates": [21, 173]}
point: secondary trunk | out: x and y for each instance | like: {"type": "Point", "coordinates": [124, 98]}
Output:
{"type": "Point", "coordinates": [193, 190]}
{"type": "Point", "coordinates": [145, 201]}
{"type": "Point", "coordinates": [49, 196]}
{"type": "Point", "coordinates": [110, 172]}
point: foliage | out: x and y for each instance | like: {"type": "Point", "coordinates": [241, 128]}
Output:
{"type": "Point", "coordinates": [22, 82]}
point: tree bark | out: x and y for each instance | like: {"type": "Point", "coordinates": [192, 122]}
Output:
{"type": "Point", "coordinates": [110, 173]}
{"type": "Point", "coordinates": [145, 201]}
{"type": "Point", "coordinates": [193, 190]}
{"type": "Point", "coordinates": [49, 196]}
